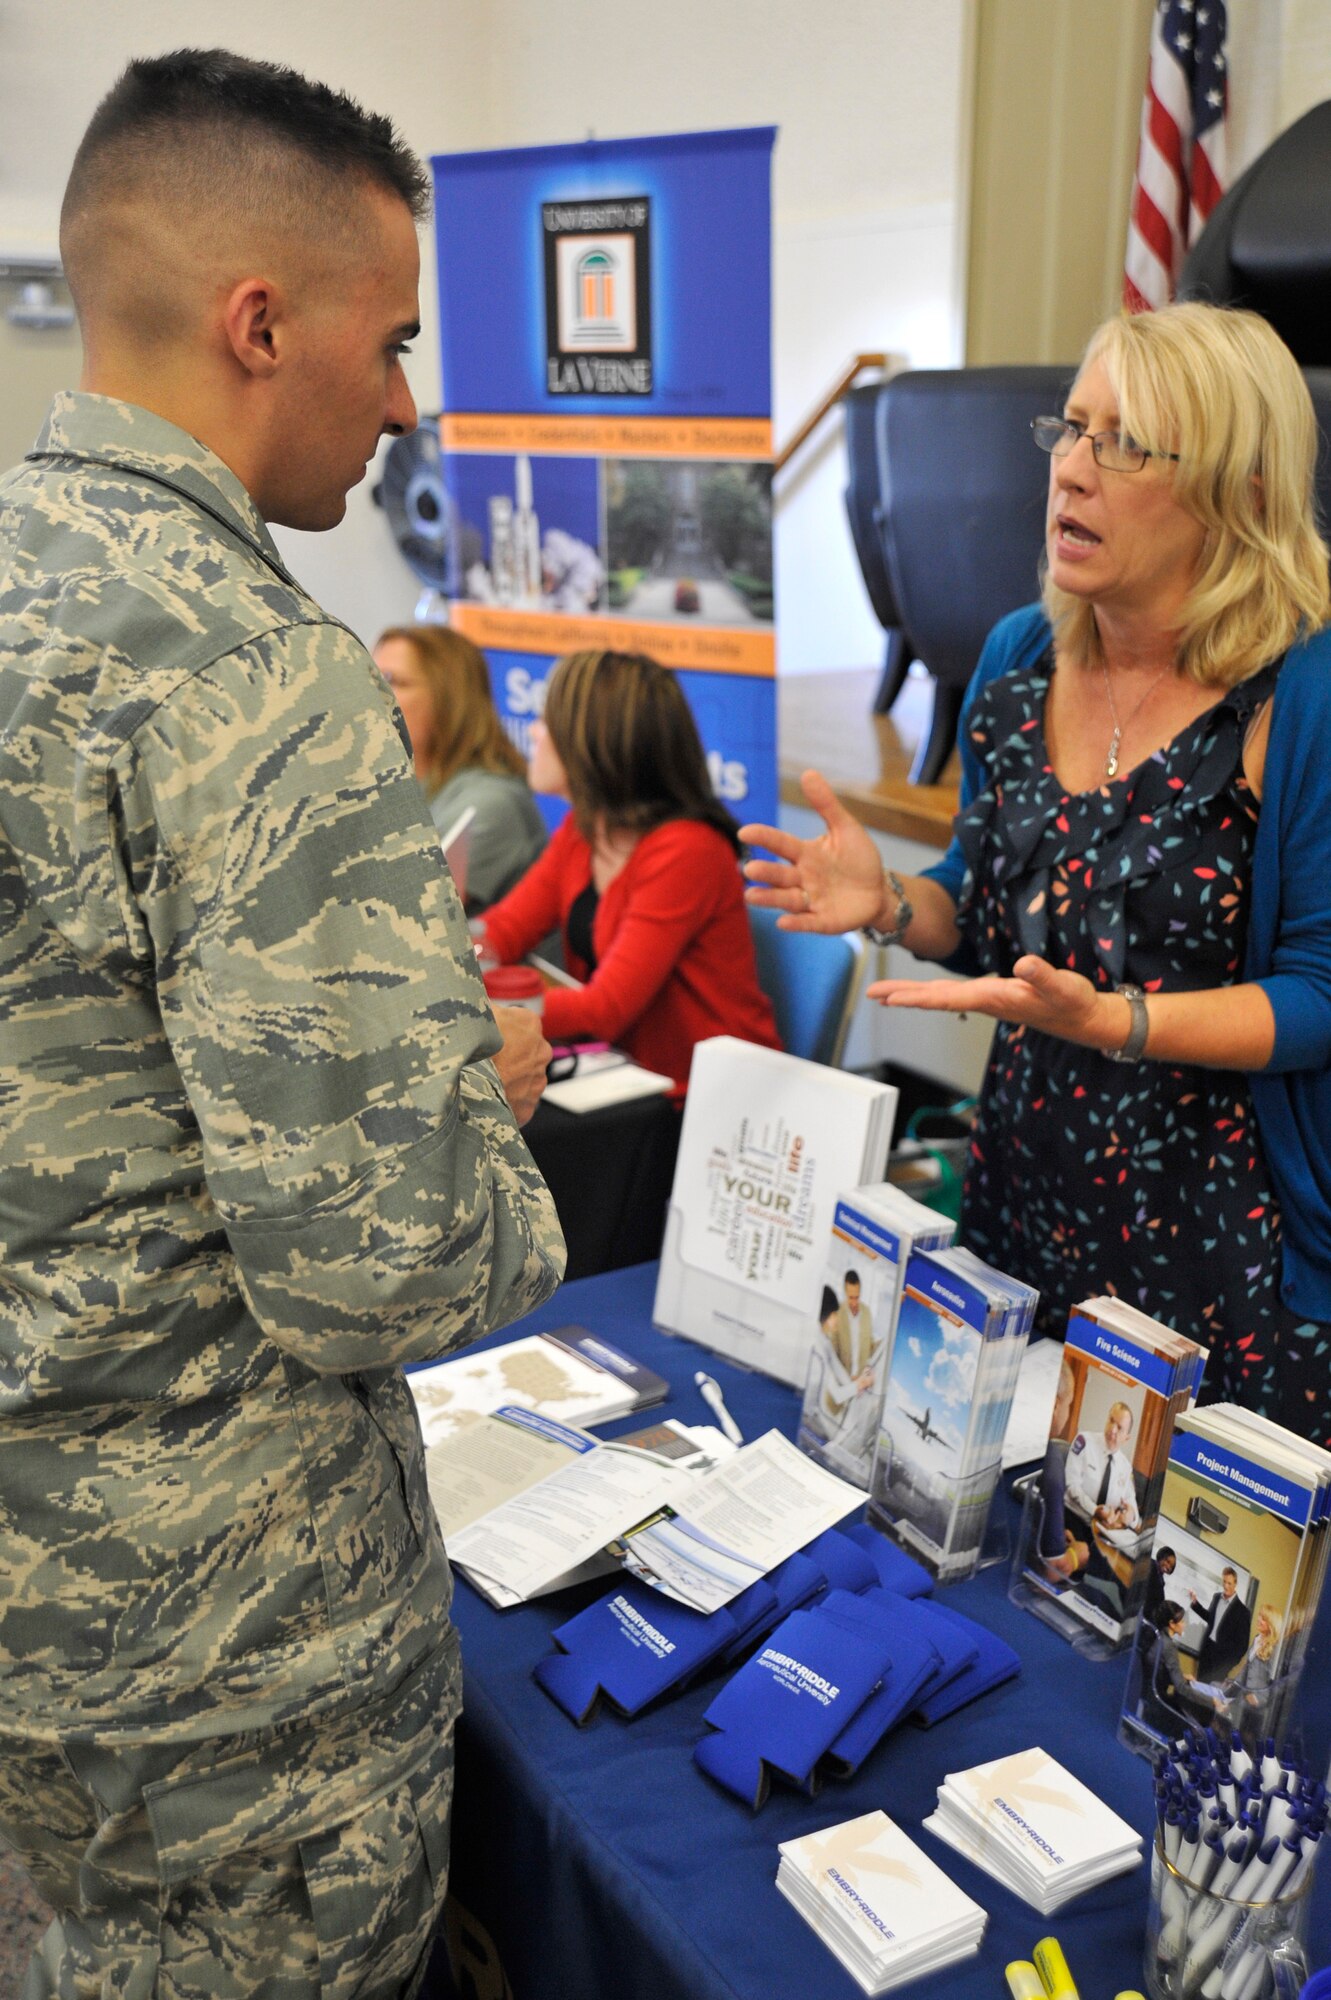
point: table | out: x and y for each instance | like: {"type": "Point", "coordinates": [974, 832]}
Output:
{"type": "Point", "coordinates": [604, 1866]}
{"type": "Point", "coordinates": [610, 1172]}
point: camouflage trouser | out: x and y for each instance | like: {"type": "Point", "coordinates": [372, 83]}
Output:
{"type": "Point", "coordinates": [277, 1865]}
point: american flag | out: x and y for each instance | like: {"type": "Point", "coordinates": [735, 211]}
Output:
{"type": "Point", "coordinates": [1181, 158]}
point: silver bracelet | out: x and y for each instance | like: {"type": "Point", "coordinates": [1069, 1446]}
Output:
{"type": "Point", "coordinates": [905, 913]}
{"type": "Point", "coordinates": [1138, 1027]}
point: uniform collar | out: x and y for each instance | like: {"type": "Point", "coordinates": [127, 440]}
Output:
{"type": "Point", "coordinates": [101, 430]}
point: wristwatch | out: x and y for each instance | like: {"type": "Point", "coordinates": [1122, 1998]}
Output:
{"type": "Point", "coordinates": [905, 913]}
{"type": "Point", "coordinates": [1135, 1047]}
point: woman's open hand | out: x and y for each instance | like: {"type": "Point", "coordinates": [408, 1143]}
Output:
{"type": "Point", "coordinates": [832, 883]}
{"type": "Point", "coordinates": [1037, 995]}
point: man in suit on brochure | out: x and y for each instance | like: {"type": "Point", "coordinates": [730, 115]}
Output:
{"type": "Point", "coordinates": [1099, 1473]}
{"type": "Point", "coordinates": [1228, 1623]}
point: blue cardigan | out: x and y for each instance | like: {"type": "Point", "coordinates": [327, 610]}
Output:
{"type": "Point", "coordinates": [1289, 934]}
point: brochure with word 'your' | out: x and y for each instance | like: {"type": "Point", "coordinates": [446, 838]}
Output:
{"type": "Point", "coordinates": [767, 1145]}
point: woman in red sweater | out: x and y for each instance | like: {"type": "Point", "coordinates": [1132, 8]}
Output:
{"type": "Point", "coordinates": [642, 877]}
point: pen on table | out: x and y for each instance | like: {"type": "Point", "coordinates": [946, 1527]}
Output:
{"type": "Point", "coordinates": [710, 1391]}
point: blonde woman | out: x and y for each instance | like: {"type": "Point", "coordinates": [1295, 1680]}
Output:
{"type": "Point", "coordinates": [462, 756]}
{"type": "Point", "coordinates": [1254, 1678]}
{"type": "Point", "coordinates": [1139, 874]}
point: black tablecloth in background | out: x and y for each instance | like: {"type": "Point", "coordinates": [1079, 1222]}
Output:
{"type": "Point", "coordinates": [610, 1173]}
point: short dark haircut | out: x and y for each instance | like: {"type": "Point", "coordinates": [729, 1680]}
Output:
{"type": "Point", "coordinates": [207, 131]}
{"type": "Point", "coordinates": [1165, 1555]}
{"type": "Point", "coordinates": [196, 89]}
{"type": "Point", "coordinates": [851, 1278]}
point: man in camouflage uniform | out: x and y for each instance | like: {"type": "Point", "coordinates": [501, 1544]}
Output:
{"type": "Point", "coordinates": [254, 1152]}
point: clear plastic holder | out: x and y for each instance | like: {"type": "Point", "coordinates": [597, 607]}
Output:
{"type": "Point", "coordinates": [1070, 1606]}
{"type": "Point", "coordinates": [1205, 1947]}
{"type": "Point", "coordinates": [995, 1545]}
{"type": "Point", "coordinates": [1153, 1718]}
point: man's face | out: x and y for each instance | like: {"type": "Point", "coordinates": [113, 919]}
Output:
{"type": "Point", "coordinates": [1229, 1583]}
{"type": "Point", "coordinates": [1168, 1564]}
{"type": "Point", "coordinates": [344, 386]}
{"type": "Point", "coordinates": [1117, 1425]}
{"type": "Point", "coordinates": [852, 1297]}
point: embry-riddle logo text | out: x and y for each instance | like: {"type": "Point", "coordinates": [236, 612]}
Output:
{"type": "Point", "coordinates": [598, 323]}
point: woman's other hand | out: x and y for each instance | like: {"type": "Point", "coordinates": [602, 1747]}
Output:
{"type": "Point", "coordinates": [833, 883]}
{"type": "Point", "coordinates": [1037, 995]}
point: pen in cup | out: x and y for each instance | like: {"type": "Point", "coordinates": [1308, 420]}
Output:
{"type": "Point", "coordinates": [710, 1391]}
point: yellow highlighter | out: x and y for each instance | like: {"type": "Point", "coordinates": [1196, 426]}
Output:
{"type": "Point", "coordinates": [1052, 1967]}
{"type": "Point", "coordinates": [1023, 1981]}
{"type": "Point", "coordinates": [1129, 1993]}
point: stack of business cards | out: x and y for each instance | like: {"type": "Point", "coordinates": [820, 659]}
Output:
{"type": "Point", "coordinates": [878, 1901]}
{"type": "Point", "coordinates": [1034, 1827]}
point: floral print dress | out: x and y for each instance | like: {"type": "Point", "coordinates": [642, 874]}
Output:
{"type": "Point", "coordinates": [1144, 1180]}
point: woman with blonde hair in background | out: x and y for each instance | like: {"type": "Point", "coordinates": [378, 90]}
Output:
{"type": "Point", "coordinates": [643, 876]}
{"type": "Point", "coordinates": [1140, 875]}
{"type": "Point", "coordinates": [461, 754]}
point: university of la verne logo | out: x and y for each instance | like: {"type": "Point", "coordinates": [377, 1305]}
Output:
{"type": "Point", "coordinates": [598, 297]}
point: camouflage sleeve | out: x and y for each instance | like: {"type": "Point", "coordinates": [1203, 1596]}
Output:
{"type": "Point", "coordinates": [278, 877]}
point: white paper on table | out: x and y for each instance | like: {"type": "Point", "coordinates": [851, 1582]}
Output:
{"type": "Point", "coordinates": [869, 1880]}
{"type": "Point", "coordinates": [1027, 1431]}
{"type": "Point", "coordinates": [535, 1372]}
{"type": "Point", "coordinates": [616, 1083]}
{"type": "Point", "coordinates": [456, 843]}
{"type": "Point", "coordinates": [523, 1546]}
{"type": "Point", "coordinates": [1032, 1806]}
{"type": "Point", "coordinates": [740, 1521]}
{"type": "Point", "coordinates": [486, 1463]}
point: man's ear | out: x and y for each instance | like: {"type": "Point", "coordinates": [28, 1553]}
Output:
{"type": "Point", "coordinates": [250, 319]}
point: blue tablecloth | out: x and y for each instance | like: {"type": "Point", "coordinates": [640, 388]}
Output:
{"type": "Point", "coordinates": [604, 1866]}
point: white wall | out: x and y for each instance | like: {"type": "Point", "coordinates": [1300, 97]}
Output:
{"type": "Point", "coordinates": [409, 58]}
{"type": "Point", "coordinates": [1279, 67]}
{"type": "Point", "coordinates": [867, 94]}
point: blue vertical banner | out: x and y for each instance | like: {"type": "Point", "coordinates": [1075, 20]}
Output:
{"type": "Point", "coordinates": [605, 322]}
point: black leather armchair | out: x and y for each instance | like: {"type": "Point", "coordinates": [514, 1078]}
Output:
{"type": "Point", "coordinates": [962, 492]}
{"type": "Point", "coordinates": [862, 512]}
{"type": "Point", "coordinates": [1267, 243]}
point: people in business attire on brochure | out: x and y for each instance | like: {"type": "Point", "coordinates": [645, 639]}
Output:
{"type": "Point", "coordinates": [1228, 1623]}
{"type": "Point", "coordinates": [1099, 1472]}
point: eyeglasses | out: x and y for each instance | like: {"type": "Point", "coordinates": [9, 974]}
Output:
{"type": "Point", "coordinates": [1114, 450]}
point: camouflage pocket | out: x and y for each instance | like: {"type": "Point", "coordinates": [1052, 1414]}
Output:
{"type": "Point", "coordinates": [376, 1886]}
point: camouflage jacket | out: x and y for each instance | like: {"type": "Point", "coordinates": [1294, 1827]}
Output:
{"type": "Point", "coordinates": [253, 1155]}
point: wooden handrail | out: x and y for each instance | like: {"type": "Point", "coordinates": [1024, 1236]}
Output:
{"type": "Point", "coordinates": [888, 363]}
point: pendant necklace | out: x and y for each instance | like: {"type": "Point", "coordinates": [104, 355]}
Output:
{"type": "Point", "coordinates": [1111, 760]}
